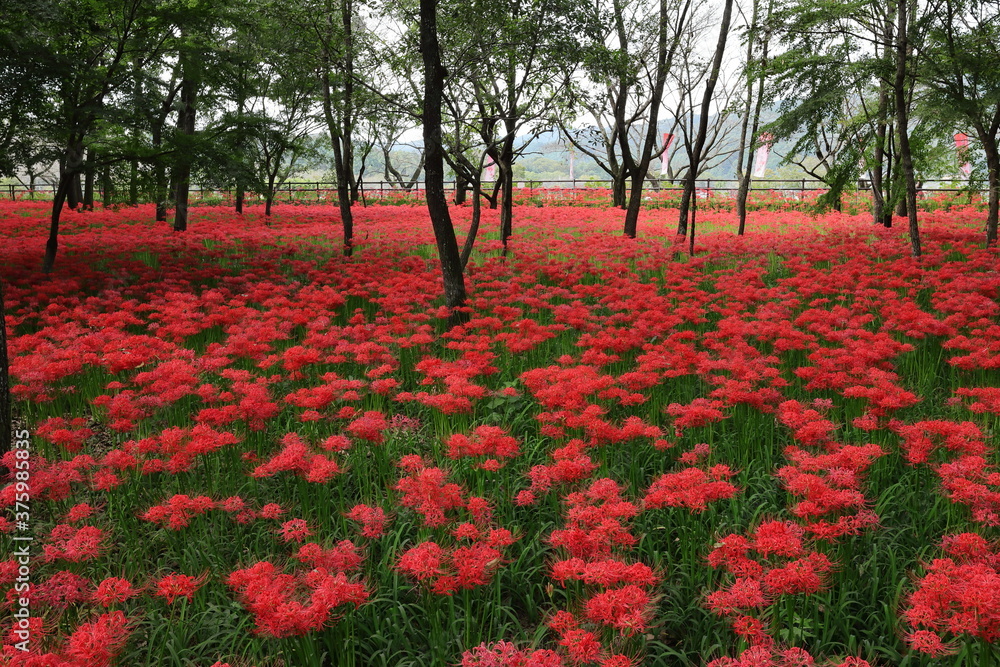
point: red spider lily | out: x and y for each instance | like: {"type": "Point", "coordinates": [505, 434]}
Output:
{"type": "Point", "coordinates": [99, 642]}
{"type": "Point", "coordinates": [295, 456]}
{"type": "Point", "coordinates": [270, 511]}
{"type": "Point", "coordinates": [629, 608]}
{"type": "Point", "coordinates": [372, 519]}
{"type": "Point", "coordinates": [369, 426]}
{"type": "Point", "coordinates": [506, 654]}
{"type": "Point", "coordinates": [342, 557]}
{"type": "Point", "coordinates": [595, 522]}
{"type": "Point", "coordinates": [173, 586]}
{"type": "Point", "coordinates": [285, 605]}
{"type": "Point", "coordinates": [177, 512]}
{"type": "Point", "coordinates": [294, 530]}
{"type": "Point", "coordinates": [79, 513]}
{"type": "Point", "coordinates": [485, 441]}
{"type": "Point", "coordinates": [604, 572]}
{"type": "Point", "coordinates": [446, 571]}
{"type": "Point", "coordinates": [692, 488]}
{"type": "Point", "coordinates": [73, 544]}
{"type": "Point", "coordinates": [581, 646]}
{"type": "Point", "coordinates": [68, 434]}
{"type": "Point", "coordinates": [62, 589]}
{"type": "Point", "coordinates": [114, 590]}
{"type": "Point", "coordinates": [426, 490]}
{"type": "Point", "coordinates": [958, 595]}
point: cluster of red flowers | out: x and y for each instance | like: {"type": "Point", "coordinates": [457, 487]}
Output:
{"type": "Point", "coordinates": [295, 456]}
{"type": "Point", "coordinates": [958, 594]}
{"type": "Point", "coordinates": [960, 459]}
{"type": "Point", "coordinates": [770, 562]}
{"type": "Point", "coordinates": [826, 475]}
{"type": "Point", "coordinates": [285, 605]}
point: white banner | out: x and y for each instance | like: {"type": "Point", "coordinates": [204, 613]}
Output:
{"type": "Point", "coordinates": [760, 160]}
{"type": "Point", "coordinates": [668, 140]}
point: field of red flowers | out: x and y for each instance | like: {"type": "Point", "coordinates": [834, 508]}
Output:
{"type": "Point", "coordinates": [246, 449]}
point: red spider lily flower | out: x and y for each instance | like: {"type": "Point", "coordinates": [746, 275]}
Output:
{"type": "Point", "coordinates": [61, 590]}
{"type": "Point", "coordinates": [79, 513]}
{"type": "Point", "coordinates": [342, 557]}
{"type": "Point", "coordinates": [930, 643]}
{"type": "Point", "coordinates": [423, 561]}
{"type": "Point", "coordinates": [73, 544]}
{"type": "Point", "coordinates": [286, 605]}
{"type": "Point", "coordinates": [173, 586]}
{"type": "Point", "coordinates": [369, 426]}
{"type": "Point", "coordinates": [500, 654]}
{"type": "Point", "coordinates": [427, 491]}
{"type": "Point", "coordinates": [581, 646]}
{"type": "Point", "coordinates": [98, 643]}
{"type": "Point", "coordinates": [270, 511]}
{"type": "Point", "coordinates": [627, 608]}
{"type": "Point", "coordinates": [294, 530]}
{"type": "Point", "coordinates": [485, 441]}
{"type": "Point", "coordinates": [372, 519]}
{"type": "Point", "coordinates": [692, 488]}
{"type": "Point", "coordinates": [177, 512]}
{"type": "Point", "coordinates": [114, 590]}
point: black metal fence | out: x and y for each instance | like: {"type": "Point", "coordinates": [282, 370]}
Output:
{"type": "Point", "coordinates": [325, 192]}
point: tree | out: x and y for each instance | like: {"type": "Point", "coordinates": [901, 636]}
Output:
{"type": "Point", "coordinates": [695, 151]}
{"type": "Point", "coordinates": [904, 38]}
{"type": "Point", "coordinates": [437, 204]}
{"type": "Point", "coordinates": [511, 67]}
{"type": "Point", "coordinates": [628, 65]}
{"type": "Point", "coordinates": [326, 39]}
{"type": "Point", "coordinates": [755, 70]}
{"type": "Point", "coordinates": [961, 82]}
{"type": "Point", "coordinates": [86, 48]}
{"type": "Point", "coordinates": [26, 63]}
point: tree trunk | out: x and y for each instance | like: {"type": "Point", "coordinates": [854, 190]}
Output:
{"type": "Point", "coordinates": [107, 187]}
{"type": "Point", "coordinates": [618, 190]}
{"type": "Point", "coordinates": [344, 196]}
{"type": "Point", "coordinates": [639, 169]}
{"type": "Point", "coordinates": [161, 188]}
{"type": "Point", "coordinates": [69, 172]}
{"type": "Point", "coordinates": [506, 167]}
{"type": "Point", "coordinates": [240, 194]}
{"type": "Point", "coordinates": [88, 182]}
{"type": "Point", "coordinates": [461, 187]}
{"type": "Point", "coordinates": [437, 204]}
{"type": "Point", "coordinates": [685, 207]}
{"type": "Point", "coordinates": [182, 170]}
{"type": "Point", "coordinates": [477, 214]}
{"type": "Point", "coordinates": [993, 167]}
{"type": "Point", "coordinates": [133, 184]}
{"type": "Point", "coordinates": [74, 193]}
{"type": "Point", "coordinates": [52, 245]}
{"type": "Point", "coordinates": [878, 194]}
{"type": "Point", "coordinates": [902, 119]}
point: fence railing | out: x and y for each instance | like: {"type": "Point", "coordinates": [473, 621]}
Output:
{"type": "Point", "coordinates": [327, 191]}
